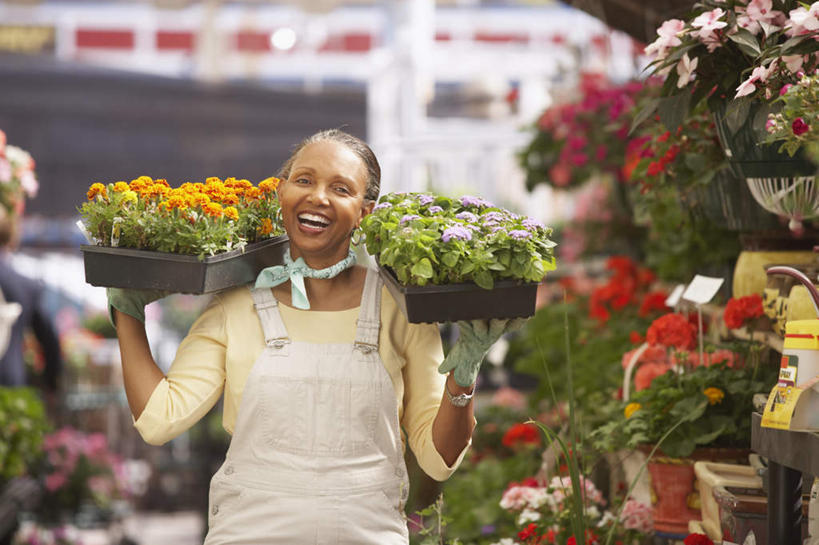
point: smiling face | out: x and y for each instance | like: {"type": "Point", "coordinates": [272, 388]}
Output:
{"type": "Point", "coordinates": [322, 201]}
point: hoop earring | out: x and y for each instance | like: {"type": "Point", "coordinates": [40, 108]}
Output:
{"type": "Point", "coordinates": [356, 236]}
{"type": "Point", "coordinates": [278, 219]}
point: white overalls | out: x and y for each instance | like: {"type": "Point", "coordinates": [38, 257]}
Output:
{"type": "Point", "coordinates": [316, 455]}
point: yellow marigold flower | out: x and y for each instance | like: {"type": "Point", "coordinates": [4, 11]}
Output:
{"type": "Point", "coordinates": [230, 212]}
{"type": "Point", "coordinates": [162, 181]}
{"type": "Point", "coordinates": [189, 187]}
{"type": "Point", "coordinates": [239, 185]}
{"type": "Point", "coordinates": [269, 185]}
{"type": "Point", "coordinates": [97, 189]}
{"type": "Point", "coordinates": [213, 180]}
{"type": "Point", "coordinates": [129, 196]}
{"type": "Point", "coordinates": [157, 190]}
{"type": "Point", "coordinates": [213, 209]}
{"type": "Point", "coordinates": [252, 193]}
{"type": "Point", "coordinates": [631, 408]}
{"type": "Point", "coordinates": [714, 395]}
{"type": "Point", "coordinates": [266, 227]}
{"type": "Point", "coordinates": [121, 187]}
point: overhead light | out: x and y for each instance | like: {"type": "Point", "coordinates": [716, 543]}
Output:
{"type": "Point", "coordinates": [283, 38]}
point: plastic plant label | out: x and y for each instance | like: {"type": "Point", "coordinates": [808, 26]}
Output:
{"type": "Point", "coordinates": [787, 370]}
{"type": "Point", "coordinates": [674, 299]}
{"type": "Point", "coordinates": [702, 289]}
{"type": "Point", "coordinates": [780, 407]}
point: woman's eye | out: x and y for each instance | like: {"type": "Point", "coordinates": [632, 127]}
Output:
{"type": "Point", "coordinates": [342, 189]}
{"type": "Point", "coordinates": [302, 181]}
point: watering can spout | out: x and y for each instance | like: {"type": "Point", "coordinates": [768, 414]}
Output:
{"type": "Point", "coordinates": [799, 275]}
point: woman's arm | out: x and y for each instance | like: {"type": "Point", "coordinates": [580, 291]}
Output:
{"type": "Point", "coordinates": [140, 372]}
{"type": "Point", "coordinates": [453, 426]}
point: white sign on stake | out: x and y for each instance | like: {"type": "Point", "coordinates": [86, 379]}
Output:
{"type": "Point", "coordinates": [702, 289]}
{"type": "Point", "coordinates": [674, 299]}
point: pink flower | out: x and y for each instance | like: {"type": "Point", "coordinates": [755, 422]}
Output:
{"type": "Point", "coordinates": [509, 397]}
{"type": "Point", "coordinates": [637, 516]}
{"type": "Point", "coordinates": [803, 21]}
{"type": "Point", "coordinates": [793, 63]}
{"type": "Point", "coordinates": [668, 37]}
{"type": "Point", "coordinates": [5, 171]}
{"type": "Point", "coordinates": [760, 74]}
{"type": "Point", "coordinates": [785, 88]}
{"type": "Point", "coordinates": [685, 70]}
{"type": "Point", "coordinates": [55, 481]}
{"type": "Point", "coordinates": [708, 23]}
{"type": "Point", "coordinates": [799, 127]}
{"type": "Point", "coordinates": [647, 372]}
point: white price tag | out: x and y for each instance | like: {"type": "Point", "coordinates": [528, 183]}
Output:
{"type": "Point", "coordinates": [674, 298]}
{"type": "Point", "coordinates": [702, 289]}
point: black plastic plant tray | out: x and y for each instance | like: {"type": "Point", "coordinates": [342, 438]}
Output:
{"type": "Point", "coordinates": [144, 269]}
{"type": "Point", "coordinates": [468, 301]}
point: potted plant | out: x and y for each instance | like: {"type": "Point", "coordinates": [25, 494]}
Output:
{"type": "Point", "coordinates": [737, 55]}
{"type": "Point", "coordinates": [455, 259]}
{"type": "Point", "coordinates": [690, 408]}
{"type": "Point", "coordinates": [22, 425]}
{"type": "Point", "coordinates": [196, 238]}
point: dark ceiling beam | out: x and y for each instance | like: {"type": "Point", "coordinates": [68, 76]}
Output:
{"type": "Point", "coordinates": [639, 19]}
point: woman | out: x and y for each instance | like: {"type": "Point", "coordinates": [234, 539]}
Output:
{"type": "Point", "coordinates": [320, 372]}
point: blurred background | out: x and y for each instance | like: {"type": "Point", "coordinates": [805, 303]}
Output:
{"type": "Point", "coordinates": [446, 92]}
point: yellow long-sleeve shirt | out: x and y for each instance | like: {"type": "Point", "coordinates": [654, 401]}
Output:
{"type": "Point", "coordinates": [223, 344]}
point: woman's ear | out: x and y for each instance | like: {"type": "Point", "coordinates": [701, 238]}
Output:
{"type": "Point", "coordinates": [367, 207]}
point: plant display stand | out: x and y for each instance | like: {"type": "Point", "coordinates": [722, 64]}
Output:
{"type": "Point", "coordinates": [789, 455]}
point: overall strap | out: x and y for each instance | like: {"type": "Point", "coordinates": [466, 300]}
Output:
{"type": "Point", "coordinates": [368, 325]}
{"type": "Point", "coordinates": [275, 334]}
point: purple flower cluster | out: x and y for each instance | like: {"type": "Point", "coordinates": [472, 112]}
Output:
{"type": "Point", "coordinates": [519, 233]}
{"type": "Point", "coordinates": [435, 209]}
{"type": "Point", "coordinates": [382, 206]}
{"type": "Point", "coordinates": [425, 199]}
{"type": "Point", "coordinates": [409, 217]}
{"type": "Point", "coordinates": [457, 232]}
{"type": "Point", "coordinates": [467, 216]}
{"type": "Point", "coordinates": [532, 224]}
{"type": "Point", "coordinates": [469, 200]}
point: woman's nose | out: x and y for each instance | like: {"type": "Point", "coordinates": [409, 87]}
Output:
{"type": "Point", "coordinates": [318, 194]}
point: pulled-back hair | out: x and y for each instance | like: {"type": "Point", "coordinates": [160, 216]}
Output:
{"type": "Point", "coordinates": [358, 146]}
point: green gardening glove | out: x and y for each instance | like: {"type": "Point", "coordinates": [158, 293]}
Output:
{"type": "Point", "coordinates": [474, 341]}
{"type": "Point", "coordinates": [131, 302]}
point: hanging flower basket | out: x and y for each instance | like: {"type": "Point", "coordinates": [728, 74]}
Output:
{"type": "Point", "coordinates": [727, 202]}
{"type": "Point", "coordinates": [781, 184]}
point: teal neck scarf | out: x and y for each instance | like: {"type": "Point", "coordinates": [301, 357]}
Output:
{"type": "Point", "coordinates": [296, 272]}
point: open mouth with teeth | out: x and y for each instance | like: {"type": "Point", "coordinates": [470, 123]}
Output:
{"type": "Point", "coordinates": [313, 222]}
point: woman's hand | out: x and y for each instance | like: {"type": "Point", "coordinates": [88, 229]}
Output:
{"type": "Point", "coordinates": [474, 341]}
{"type": "Point", "coordinates": [131, 302]}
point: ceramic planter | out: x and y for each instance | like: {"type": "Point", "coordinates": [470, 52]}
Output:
{"type": "Point", "coordinates": [143, 269]}
{"type": "Point", "coordinates": [674, 498]}
{"type": "Point", "coordinates": [468, 301]}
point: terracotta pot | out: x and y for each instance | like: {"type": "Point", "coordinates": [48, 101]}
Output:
{"type": "Point", "coordinates": [674, 498]}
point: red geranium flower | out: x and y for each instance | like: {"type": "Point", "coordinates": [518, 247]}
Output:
{"type": "Point", "coordinates": [697, 539]}
{"type": "Point", "coordinates": [528, 532]}
{"type": "Point", "coordinates": [672, 330]}
{"type": "Point", "coordinates": [652, 301]}
{"type": "Point", "coordinates": [738, 311]}
{"type": "Point", "coordinates": [521, 434]}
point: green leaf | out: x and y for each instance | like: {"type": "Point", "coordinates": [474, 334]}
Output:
{"type": "Point", "coordinates": [423, 268]}
{"type": "Point", "coordinates": [484, 280]}
{"type": "Point", "coordinates": [736, 113]}
{"type": "Point", "coordinates": [645, 112]}
{"type": "Point", "coordinates": [450, 259]}
{"type": "Point", "coordinates": [674, 109]}
{"type": "Point", "coordinates": [746, 41]}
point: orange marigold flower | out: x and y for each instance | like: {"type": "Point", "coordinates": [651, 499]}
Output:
{"type": "Point", "coordinates": [252, 193]}
{"type": "Point", "coordinates": [230, 198]}
{"type": "Point", "coordinates": [162, 181]}
{"type": "Point", "coordinates": [266, 227]}
{"type": "Point", "coordinates": [213, 209]}
{"type": "Point", "coordinates": [269, 185]}
{"type": "Point", "coordinates": [631, 408]}
{"type": "Point", "coordinates": [213, 180]}
{"type": "Point", "coordinates": [121, 187]}
{"type": "Point", "coordinates": [177, 201]}
{"type": "Point", "coordinates": [230, 212]}
{"type": "Point", "coordinates": [198, 199]}
{"type": "Point", "coordinates": [714, 395]}
{"type": "Point", "coordinates": [97, 189]}
{"type": "Point", "coordinates": [189, 187]}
